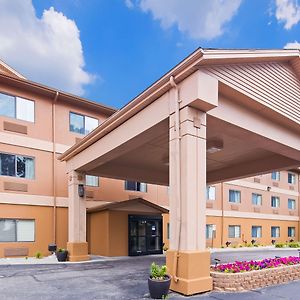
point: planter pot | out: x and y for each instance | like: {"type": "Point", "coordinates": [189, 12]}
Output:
{"type": "Point", "coordinates": [159, 288]}
{"type": "Point", "coordinates": [62, 255]}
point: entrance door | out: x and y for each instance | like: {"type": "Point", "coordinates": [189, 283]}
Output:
{"type": "Point", "coordinates": [145, 235]}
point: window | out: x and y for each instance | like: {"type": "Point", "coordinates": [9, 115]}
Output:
{"type": "Point", "coordinates": [234, 231]}
{"type": "Point", "coordinates": [12, 230]}
{"type": "Point", "coordinates": [256, 199]}
{"type": "Point", "coordinates": [291, 232]}
{"type": "Point", "coordinates": [275, 231]}
{"type": "Point", "coordinates": [234, 196]}
{"type": "Point", "coordinates": [135, 186]}
{"type": "Point", "coordinates": [291, 178]}
{"type": "Point", "coordinates": [275, 201]}
{"type": "Point", "coordinates": [211, 193]}
{"type": "Point", "coordinates": [209, 231]}
{"type": "Point", "coordinates": [82, 124]}
{"type": "Point", "coordinates": [256, 231]}
{"type": "Point", "coordinates": [16, 166]}
{"type": "Point", "coordinates": [291, 204]}
{"type": "Point", "coordinates": [91, 180]}
{"type": "Point", "coordinates": [275, 175]}
{"type": "Point", "coordinates": [16, 107]}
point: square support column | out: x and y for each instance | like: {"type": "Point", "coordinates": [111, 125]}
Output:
{"type": "Point", "coordinates": [77, 245]}
{"type": "Point", "coordinates": [187, 260]}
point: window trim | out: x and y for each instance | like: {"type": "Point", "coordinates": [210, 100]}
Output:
{"type": "Point", "coordinates": [26, 156]}
{"type": "Point", "coordinates": [207, 192]}
{"type": "Point", "coordinates": [293, 176]}
{"type": "Point", "coordinates": [136, 190]}
{"type": "Point", "coordinates": [15, 108]}
{"type": "Point", "coordinates": [257, 194]}
{"type": "Point", "coordinates": [240, 193]}
{"type": "Point", "coordinates": [292, 236]}
{"type": "Point", "coordinates": [258, 237]}
{"type": "Point", "coordinates": [294, 201]}
{"type": "Point", "coordinates": [84, 116]}
{"type": "Point", "coordinates": [279, 232]}
{"type": "Point", "coordinates": [279, 175]}
{"type": "Point", "coordinates": [240, 232]}
{"type": "Point", "coordinates": [278, 201]}
{"type": "Point", "coordinates": [95, 186]}
{"type": "Point", "coordinates": [16, 237]}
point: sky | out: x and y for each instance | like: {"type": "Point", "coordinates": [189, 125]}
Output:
{"type": "Point", "coordinates": [111, 50]}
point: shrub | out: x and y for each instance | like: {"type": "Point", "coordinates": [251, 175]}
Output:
{"type": "Point", "coordinates": [61, 250]}
{"type": "Point", "coordinates": [158, 272]}
{"type": "Point", "coordinates": [293, 244]}
{"type": "Point", "coordinates": [280, 245]}
{"type": "Point", "coordinates": [38, 255]}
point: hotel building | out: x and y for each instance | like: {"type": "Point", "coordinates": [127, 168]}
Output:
{"type": "Point", "coordinates": [38, 124]}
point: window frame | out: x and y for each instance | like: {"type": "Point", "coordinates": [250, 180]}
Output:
{"type": "Point", "coordinates": [256, 199]}
{"type": "Point", "coordinates": [15, 98]}
{"type": "Point", "coordinates": [235, 191]}
{"type": "Point", "coordinates": [275, 231]}
{"type": "Point", "coordinates": [293, 176]}
{"type": "Point", "coordinates": [275, 172]}
{"type": "Point", "coordinates": [289, 228]}
{"type": "Point", "coordinates": [207, 192]}
{"type": "Point", "coordinates": [257, 226]}
{"type": "Point", "coordinates": [278, 198]}
{"type": "Point", "coordinates": [293, 201]}
{"type": "Point", "coordinates": [16, 230]}
{"type": "Point", "coordinates": [89, 185]}
{"type": "Point", "coordinates": [209, 231]}
{"type": "Point", "coordinates": [84, 126]}
{"type": "Point", "coordinates": [136, 185]}
{"type": "Point", "coordinates": [24, 156]}
{"type": "Point", "coordinates": [235, 226]}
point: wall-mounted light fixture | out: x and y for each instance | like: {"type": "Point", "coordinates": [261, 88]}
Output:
{"type": "Point", "coordinates": [81, 190]}
{"type": "Point", "coordinates": [214, 146]}
{"type": "Point", "coordinates": [268, 188]}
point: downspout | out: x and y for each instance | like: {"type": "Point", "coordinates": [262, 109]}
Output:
{"type": "Point", "coordinates": [222, 210]}
{"type": "Point", "coordinates": [54, 164]}
{"type": "Point", "coordinates": [178, 173]}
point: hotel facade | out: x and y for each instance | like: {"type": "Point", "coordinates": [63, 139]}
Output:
{"type": "Point", "coordinates": [38, 124]}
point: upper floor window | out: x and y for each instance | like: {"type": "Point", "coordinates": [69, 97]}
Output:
{"type": "Point", "coordinates": [82, 124]}
{"type": "Point", "coordinates": [275, 175]}
{"type": "Point", "coordinates": [12, 230]}
{"type": "Point", "coordinates": [291, 232]}
{"type": "Point", "coordinates": [256, 231]}
{"type": "Point", "coordinates": [275, 201]}
{"type": "Point", "coordinates": [91, 180]}
{"type": "Point", "coordinates": [211, 193]}
{"type": "Point", "coordinates": [234, 196]}
{"type": "Point", "coordinates": [234, 231]}
{"type": "Point", "coordinates": [256, 199]}
{"type": "Point", "coordinates": [275, 231]}
{"type": "Point", "coordinates": [209, 231]}
{"type": "Point", "coordinates": [16, 166]}
{"type": "Point", "coordinates": [291, 204]}
{"type": "Point", "coordinates": [16, 107]}
{"type": "Point", "coordinates": [291, 178]}
{"type": "Point", "coordinates": [135, 186]}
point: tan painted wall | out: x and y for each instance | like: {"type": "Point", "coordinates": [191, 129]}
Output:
{"type": "Point", "coordinates": [43, 217]}
{"type": "Point", "coordinates": [98, 232]}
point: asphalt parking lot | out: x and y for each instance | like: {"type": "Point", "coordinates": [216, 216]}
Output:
{"type": "Point", "coordinates": [123, 278]}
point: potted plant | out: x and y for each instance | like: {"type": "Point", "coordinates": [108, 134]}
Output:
{"type": "Point", "coordinates": [159, 281]}
{"type": "Point", "coordinates": [62, 254]}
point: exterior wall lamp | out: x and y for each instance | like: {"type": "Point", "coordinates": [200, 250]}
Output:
{"type": "Point", "coordinates": [81, 190]}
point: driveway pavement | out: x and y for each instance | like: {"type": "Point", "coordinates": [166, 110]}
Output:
{"type": "Point", "coordinates": [124, 278]}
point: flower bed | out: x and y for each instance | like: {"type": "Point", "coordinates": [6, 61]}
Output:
{"type": "Point", "coordinates": [240, 276]}
{"type": "Point", "coordinates": [244, 266]}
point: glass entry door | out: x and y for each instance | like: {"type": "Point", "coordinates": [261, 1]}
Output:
{"type": "Point", "coordinates": [145, 235]}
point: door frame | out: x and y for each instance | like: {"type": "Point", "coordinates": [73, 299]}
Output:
{"type": "Point", "coordinates": [146, 218]}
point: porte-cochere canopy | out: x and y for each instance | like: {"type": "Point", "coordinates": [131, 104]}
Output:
{"type": "Point", "coordinates": [218, 115]}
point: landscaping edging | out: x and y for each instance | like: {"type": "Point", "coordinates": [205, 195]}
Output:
{"type": "Point", "coordinates": [254, 279]}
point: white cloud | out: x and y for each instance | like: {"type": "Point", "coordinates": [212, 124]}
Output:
{"type": "Point", "coordinates": [46, 49]}
{"type": "Point", "coordinates": [288, 12]}
{"type": "Point", "coordinates": [199, 19]}
{"type": "Point", "coordinates": [129, 4]}
{"type": "Point", "coordinates": [293, 45]}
